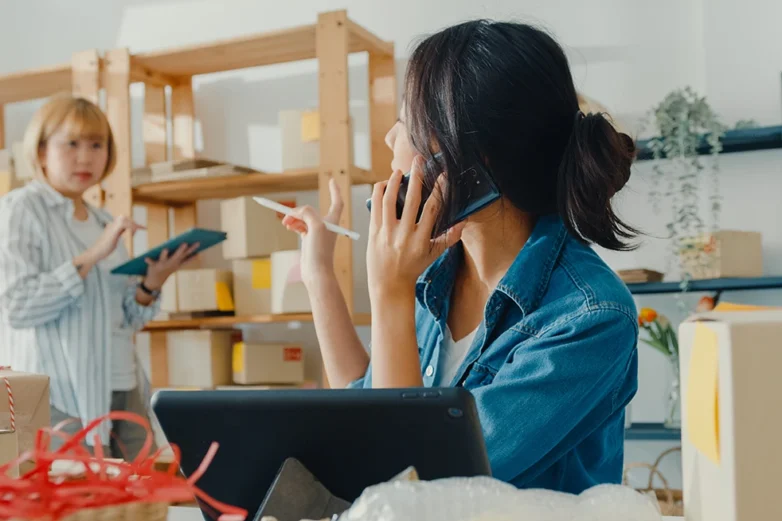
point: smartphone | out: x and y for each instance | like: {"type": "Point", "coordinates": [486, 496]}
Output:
{"type": "Point", "coordinates": [478, 191]}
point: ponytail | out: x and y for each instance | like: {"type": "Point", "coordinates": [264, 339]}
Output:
{"type": "Point", "coordinates": [596, 165]}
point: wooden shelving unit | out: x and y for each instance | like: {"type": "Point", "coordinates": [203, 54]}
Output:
{"type": "Point", "coordinates": [329, 40]}
{"type": "Point", "coordinates": [182, 193]}
{"type": "Point", "coordinates": [230, 322]}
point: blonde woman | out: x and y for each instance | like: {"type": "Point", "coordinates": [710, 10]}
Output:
{"type": "Point", "coordinates": [61, 312]}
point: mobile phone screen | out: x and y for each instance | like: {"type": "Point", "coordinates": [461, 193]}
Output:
{"type": "Point", "coordinates": [477, 190]}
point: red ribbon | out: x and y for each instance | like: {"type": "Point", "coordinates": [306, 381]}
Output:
{"type": "Point", "coordinates": [37, 496]}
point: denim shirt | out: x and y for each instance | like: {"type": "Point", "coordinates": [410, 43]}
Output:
{"type": "Point", "coordinates": [553, 363]}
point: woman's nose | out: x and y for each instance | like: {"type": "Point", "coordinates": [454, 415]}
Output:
{"type": "Point", "coordinates": [390, 137]}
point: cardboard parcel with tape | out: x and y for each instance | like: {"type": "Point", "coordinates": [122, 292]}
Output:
{"type": "Point", "coordinates": [732, 421]}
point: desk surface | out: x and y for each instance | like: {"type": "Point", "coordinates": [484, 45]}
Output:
{"type": "Point", "coordinates": [193, 514]}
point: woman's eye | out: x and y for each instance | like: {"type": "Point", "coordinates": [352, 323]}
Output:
{"type": "Point", "coordinates": [72, 144]}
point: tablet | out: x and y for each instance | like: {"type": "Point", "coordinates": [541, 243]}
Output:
{"type": "Point", "coordinates": [347, 438]}
{"type": "Point", "coordinates": [205, 238]}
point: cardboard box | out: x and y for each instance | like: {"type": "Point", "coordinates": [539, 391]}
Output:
{"type": "Point", "coordinates": [726, 253]}
{"type": "Point", "coordinates": [205, 290]}
{"type": "Point", "coordinates": [731, 424]}
{"type": "Point", "coordinates": [253, 230]}
{"type": "Point", "coordinates": [169, 302]}
{"type": "Point", "coordinates": [8, 180]}
{"type": "Point", "coordinates": [23, 170]}
{"type": "Point", "coordinates": [253, 286]}
{"type": "Point", "coordinates": [31, 406]}
{"type": "Point", "coordinates": [300, 134]}
{"type": "Point", "coordinates": [199, 359]}
{"type": "Point", "coordinates": [289, 295]}
{"type": "Point", "coordinates": [267, 364]}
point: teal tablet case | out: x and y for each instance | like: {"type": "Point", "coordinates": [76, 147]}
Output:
{"type": "Point", "coordinates": [205, 238]}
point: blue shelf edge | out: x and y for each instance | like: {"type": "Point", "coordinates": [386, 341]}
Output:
{"type": "Point", "coordinates": [727, 284]}
{"type": "Point", "coordinates": [652, 432]}
{"type": "Point", "coordinates": [741, 140]}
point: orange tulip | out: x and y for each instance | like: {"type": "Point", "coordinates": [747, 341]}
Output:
{"type": "Point", "coordinates": [646, 316]}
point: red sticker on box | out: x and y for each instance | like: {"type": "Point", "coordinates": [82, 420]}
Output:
{"type": "Point", "coordinates": [291, 354]}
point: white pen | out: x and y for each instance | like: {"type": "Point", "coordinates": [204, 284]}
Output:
{"type": "Point", "coordinates": [286, 210]}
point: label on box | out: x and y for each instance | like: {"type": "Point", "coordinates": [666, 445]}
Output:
{"type": "Point", "coordinates": [310, 126]}
{"type": "Point", "coordinates": [292, 354]}
{"type": "Point", "coordinates": [262, 274]}
{"type": "Point", "coordinates": [238, 358]}
{"type": "Point", "coordinates": [225, 301]}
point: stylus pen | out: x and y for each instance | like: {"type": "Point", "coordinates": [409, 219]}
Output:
{"type": "Point", "coordinates": [268, 203]}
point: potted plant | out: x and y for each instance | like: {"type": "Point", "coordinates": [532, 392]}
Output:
{"type": "Point", "coordinates": [681, 122]}
{"type": "Point", "coordinates": [661, 336]}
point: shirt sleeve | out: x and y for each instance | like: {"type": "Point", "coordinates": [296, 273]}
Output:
{"type": "Point", "coordinates": [137, 315]}
{"type": "Point", "coordinates": [555, 390]}
{"type": "Point", "coordinates": [30, 296]}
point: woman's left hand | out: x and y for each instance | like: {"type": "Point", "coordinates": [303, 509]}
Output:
{"type": "Point", "coordinates": [399, 250]}
{"type": "Point", "coordinates": [158, 271]}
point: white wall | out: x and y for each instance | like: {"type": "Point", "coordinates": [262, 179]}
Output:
{"type": "Point", "coordinates": [626, 54]}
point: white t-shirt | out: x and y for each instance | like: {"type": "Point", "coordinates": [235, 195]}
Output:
{"type": "Point", "coordinates": [452, 354]}
{"type": "Point", "coordinates": [123, 363]}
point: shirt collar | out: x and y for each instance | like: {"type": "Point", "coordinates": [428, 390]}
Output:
{"type": "Point", "coordinates": [524, 283]}
{"type": "Point", "coordinates": [55, 199]}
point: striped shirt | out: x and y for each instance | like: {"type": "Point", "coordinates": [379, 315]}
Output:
{"type": "Point", "coordinates": [52, 321]}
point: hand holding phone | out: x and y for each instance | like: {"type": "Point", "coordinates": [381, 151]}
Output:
{"type": "Point", "coordinates": [477, 190]}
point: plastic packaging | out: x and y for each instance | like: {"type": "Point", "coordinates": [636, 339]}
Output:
{"type": "Point", "coordinates": [487, 499]}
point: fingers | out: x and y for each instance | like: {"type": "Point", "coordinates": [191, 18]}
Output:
{"type": "Point", "coordinates": [389, 198]}
{"type": "Point", "coordinates": [413, 197]}
{"type": "Point", "coordinates": [432, 208]}
{"type": "Point", "coordinates": [335, 210]}
{"type": "Point", "coordinates": [376, 214]}
{"type": "Point", "coordinates": [163, 255]}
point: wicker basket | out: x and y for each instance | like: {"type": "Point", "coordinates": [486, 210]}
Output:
{"type": "Point", "coordinates": [138, 511]}
{"type": "Point", "coordinates": [671, 501]}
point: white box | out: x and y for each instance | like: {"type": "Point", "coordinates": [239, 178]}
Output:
{"type": "Point", "coordinates": [731, 421]}
{"type": "Point", "coordinates": [199, 359]}
{"type": "Point", "coordinates": [252, 286]}
{"type": "Point", "coordinates": [300, 133]}
{"type": "Point", "coordinates": [254, 230]}
{"type": "Point", "coordinates": [255, 364]}
{"type": "Point", "coordinates": [205, 290]}
{"type": "Point", "coordinates": [289, 295]}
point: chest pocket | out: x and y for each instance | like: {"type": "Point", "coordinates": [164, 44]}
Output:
{"type": "Point", "coordinates": [478, 376]}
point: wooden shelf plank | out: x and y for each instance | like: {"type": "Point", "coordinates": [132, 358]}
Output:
{"type": "Point", "coordinates": [177, 193]}
{"type": "Point", "coordinates": [35, 83]}
{"type": "Point", "coordinates": [281, 46]}
{"type": "Point", "coordinates": [360, 319]}
{"type": "Point", "coordinates": [726, 284]}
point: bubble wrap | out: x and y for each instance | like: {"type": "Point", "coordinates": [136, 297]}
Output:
{"type": "Point", "coordinates": [487, 499]}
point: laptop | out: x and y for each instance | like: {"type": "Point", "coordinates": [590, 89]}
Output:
{"type": "Point", "coordinates": [348, 439]}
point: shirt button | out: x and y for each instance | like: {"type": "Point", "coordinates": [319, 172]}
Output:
{"type": "Point", "coordinates": [429, 371]}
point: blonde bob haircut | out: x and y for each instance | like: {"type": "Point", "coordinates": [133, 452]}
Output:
{"type": "Point", "coordinates": [81, 118]}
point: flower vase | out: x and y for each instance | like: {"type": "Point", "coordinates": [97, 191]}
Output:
{"type": "Point", "coordinates": [673, 407]}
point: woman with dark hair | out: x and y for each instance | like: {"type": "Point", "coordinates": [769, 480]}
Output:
{"type": "Point", "coordinates": [511, 303]}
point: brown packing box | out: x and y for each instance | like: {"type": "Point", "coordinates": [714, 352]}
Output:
{"type": "Point", "coordinates": [731, 420]}
{"type": "Point", "coordinates": [725, 253]}
{"type": "Point", "coordinates": [267, 364]}
{"type": "Point", "coordinates": [199, 359]}
{"type": "Point", "coordinates": [253, 286]}
{"type": "Point", "coordinates": [22, 169]}
{"type": "Point", "coordinates": [204, 290]}
{"type": "Point", "coordinates": [31, 405]}
{"type": "Point", "coordinates": [169, 303]}
{"type": "Point", "coordinates": [254, 230]}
